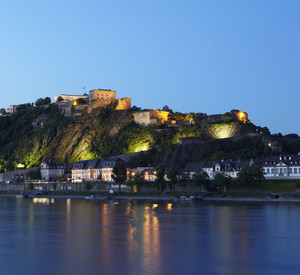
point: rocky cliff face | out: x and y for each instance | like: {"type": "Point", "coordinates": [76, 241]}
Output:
{"type": "Point", "coordinates": [220, 131]}
{"type": "Point", "coordinates": [74, 143]}
{"type": "Point", "coordinates": [59, 139]}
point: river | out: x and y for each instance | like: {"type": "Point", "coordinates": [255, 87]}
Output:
{"type": "Point", "coordinates": [64, 236]}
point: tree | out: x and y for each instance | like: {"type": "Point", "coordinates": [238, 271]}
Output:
{"type": "Point", "coordinates": [2, 111]}
{"type": "Point", "coordinates": [80, 101]}
{"type": "Point", "coordinates": [135, 108]}
{"type": "Point", "coordinates": [119, 174]}
{"type": "Point", "coordinates": [166, 108]}
{"type": "Point", "coordinates": [251, 175]}
{"type": "Point", "coordinates": [43, 101]}
{"type": "Point", "coordinates": [38, 102]}
{"type": "Point", "coordinates": [185, 178]}
{"type": "Point", "coordinates": [47, 100]}
{"type": "Point", "coordinates": [59, 98]}
{"type": "Point", "coordinates": [31, 186]}
{"type": "Point", "coordinates": [88, 186]}
{"type": "Point", "coordinates": [220, 180]}
{"type": "Point", "coordinates": [226, 118]}
{"type": "Point", "coordinates": [200, 178]}
{"type": "Point", "coordinates": [172, 176]}
{"type": "Point", "coordinates": [130, 181]}
{"type": "Point", "coordinates": [138, 180]}
{"type": "Point", "coordinates": [198, 117]}
{"type": "Point", "coordinates": [160, 181]}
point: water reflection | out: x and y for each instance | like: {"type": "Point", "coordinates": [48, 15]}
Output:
{"type": "Point", "coordinates": [144, 237]}
{"type": "Point", "coordinates": [169, 206]}
{"type": "Point", "coordinates": [89, 236]}
{"type": "Point", "coordinates": [43, 200]}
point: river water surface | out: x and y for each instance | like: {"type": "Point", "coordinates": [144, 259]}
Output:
{"type": "Point", "coordinates": [57, 236]}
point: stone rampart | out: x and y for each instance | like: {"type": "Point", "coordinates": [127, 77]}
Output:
{"type": "Point", "coordinates": [123, 103]}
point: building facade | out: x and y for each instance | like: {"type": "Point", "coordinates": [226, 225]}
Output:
{"type": "Point", "coordinates": [12, 109]}
{"type": "Point", "coordinates": [91, 170]}
{"type": "Point", "coordinates": [106, 96]}
{"type": "Point", "coordinates": [50, 171]}
{"type": "Point", "coordinates": [281, 167]}
{"type": "Point", "coordinates": [149, 117]}
{"type": "Point", "coordinates": [228, 168]}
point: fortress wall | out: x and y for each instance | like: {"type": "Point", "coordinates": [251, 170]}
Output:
{"type": "Point", "coordinates": [161, 115]}
{"type": "Point", "coordinates": [71, 97]}
{"type": "Point", "coordinates": [123, 103]}
{"type": "Point", "coordinates": [142, 118]}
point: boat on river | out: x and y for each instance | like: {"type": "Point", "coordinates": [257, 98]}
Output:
{"type": "Point", "coordinates": [92, 197]}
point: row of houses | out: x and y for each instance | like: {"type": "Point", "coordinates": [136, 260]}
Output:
{"type": "Point", "coordinates": [91, 170]}
{"type": "Point", "coordinates": [275, 167]}
{"type": "Point", "coordinates": [229, 168]}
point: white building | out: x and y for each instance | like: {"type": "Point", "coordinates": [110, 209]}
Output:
{"type": "Point", "coordinates": [228, 168]}
{"type": "Point", "coordinates": [51, 170]}
{"type": "Point", "coordinates": [98, 169]}
{"type": "Point", "coordinates": [12, 109]}
{"type": "Point", "coordinates": [281, 167]}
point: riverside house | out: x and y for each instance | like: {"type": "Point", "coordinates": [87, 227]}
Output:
{"type": "Point", "coordinates": [281, 167]}
{"type": "Point", "coordinates": [228, 168]}
{"type": "Point", "coordinates": [50, 170]}
{"type": "Point", "coordinates": [97, 169]}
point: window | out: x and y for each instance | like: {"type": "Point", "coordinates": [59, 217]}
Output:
{"type": "Point", "coordinates": [295, 170]}
{"type": "Point", "coordinates": [272, 170]}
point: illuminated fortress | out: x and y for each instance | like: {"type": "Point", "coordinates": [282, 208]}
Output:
{"type": "Point", "coordinates": [96, 98]}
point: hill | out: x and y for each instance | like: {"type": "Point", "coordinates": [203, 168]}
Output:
{"type": "Point", "coordinates": [35, 134]}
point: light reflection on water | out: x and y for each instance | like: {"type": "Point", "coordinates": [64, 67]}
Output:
{"type": "Point", "coordinates": [130, 237]}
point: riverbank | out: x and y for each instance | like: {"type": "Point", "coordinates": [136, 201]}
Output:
{"type": "Point", "coordinates": [178, 197]}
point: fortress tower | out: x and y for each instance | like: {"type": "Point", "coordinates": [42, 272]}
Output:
{"type": "Point", "coordinates": [103, 95]}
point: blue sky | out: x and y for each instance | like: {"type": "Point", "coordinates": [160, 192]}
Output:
{"type": "Point", "coordinates": [194, 56]}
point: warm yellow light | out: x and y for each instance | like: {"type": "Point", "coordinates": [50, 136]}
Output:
{"type": "Point", "coordinates": [142, 147]}
{"type": "Point", "coordinates": [270, 144]}
{"type": "Point", "coordinates": [75, 103]}
{"type": "Point", "coordinates": [242, 116]}
{"type": "Point", "coordinates": [169, 206]}
{"type": "Point", "coordinates": [41, 200]}
{"type": "Point", "coordinates": [154, 205]}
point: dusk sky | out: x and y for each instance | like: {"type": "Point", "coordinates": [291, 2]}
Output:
{"type": "Point", "coordinates": [194, 56]}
